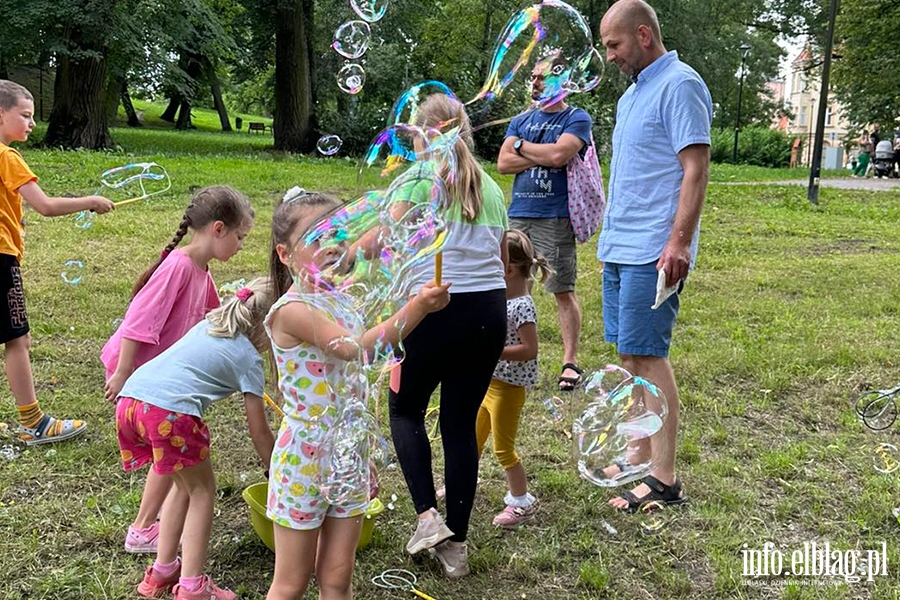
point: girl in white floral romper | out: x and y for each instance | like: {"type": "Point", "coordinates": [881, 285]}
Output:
{"type": "Point", "coordinates": [314, 338]}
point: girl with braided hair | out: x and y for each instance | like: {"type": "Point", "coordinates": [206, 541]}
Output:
{"type": "Point", "coordinates": [169, 298]}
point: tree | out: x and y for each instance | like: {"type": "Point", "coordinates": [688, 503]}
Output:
{"type": "Point", "coordinates": [294, 123]}
{"type": "Point", "coordinates": [867, 64]}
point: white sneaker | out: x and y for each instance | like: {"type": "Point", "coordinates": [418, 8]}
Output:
{"type": "Point", "coordinates": [454, 557]}
{"type": "Point", "coordinates": [429, 533]}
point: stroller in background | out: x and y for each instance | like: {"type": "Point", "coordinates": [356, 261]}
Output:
{"type": "Point", "coordinates": [884, 159]}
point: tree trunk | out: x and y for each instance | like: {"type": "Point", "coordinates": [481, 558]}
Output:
{"type": "Point", "coordinates": [193, 71]}
{"type": "Point", "coordinates": [78, 119]}
{"type": "Point", "coordinates": [293, 90]}
{"type": "Point", "coordinates": [111, 97]}
{"type": "Point", "coordinates": [184, 116]}
{"type": "Point", "coordinates": [133, 120]}
{"type": "Point", "coordinates": [4, 70]}
{"type": "Point", "coordinates": [310, 25]}
{"type": "Point", "coordinates": [172, 108]}
{"type": "Point", "coordinates": [217, 95]}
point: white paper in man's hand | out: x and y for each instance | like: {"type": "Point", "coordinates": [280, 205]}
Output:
{"type": "Point", "coordinates": [663, 292]}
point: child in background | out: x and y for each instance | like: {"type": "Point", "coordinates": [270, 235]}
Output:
{"type": "Point", "coordinates": [159, 419]}
{"type": "Point", "coordinates": [311, 349]}
{"type": "Point", "coordinates": [517, 370]}
{"type": "Point", "coordinates": [17, 182]}
{"type": "Point", "coordinates": [169, 298]}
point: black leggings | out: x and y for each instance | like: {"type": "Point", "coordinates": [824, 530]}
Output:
{"type": "Point", "coordinates": [457, 348]}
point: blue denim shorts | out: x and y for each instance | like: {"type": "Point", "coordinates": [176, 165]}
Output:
{"type": "Point", "coordinates": [628, 321]}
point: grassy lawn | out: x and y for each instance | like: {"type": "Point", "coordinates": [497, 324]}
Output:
{"type": "Point", "coordinates": [791, 312]}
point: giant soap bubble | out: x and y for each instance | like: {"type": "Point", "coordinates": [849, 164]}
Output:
{"type": "Point", "coordinates": [545, 53]}
{"type": "Point", "coordinates": [615, 434]}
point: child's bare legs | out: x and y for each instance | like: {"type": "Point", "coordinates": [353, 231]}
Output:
{"type": "Point", "coordinates": [336, 556]}
{"type": "Point", "coordinates": [295, 560]}
{"type": "Point", "coordinates": [187, 516]}
{"type": "Point", "coordinates": [18, 370]}
{"type": "Point", "coordinates": [155, 491]}
{"type": "Point", "coordinates": [171, 524]}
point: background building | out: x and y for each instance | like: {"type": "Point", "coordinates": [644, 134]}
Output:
{"type": "Point", "coordinates": [802, 102]}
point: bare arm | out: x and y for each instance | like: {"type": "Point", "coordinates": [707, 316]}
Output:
{"type": "Point", "coordinates": [676, 256]}
{"type": "Point", "coordinates": [556, 155]}
{"type": "Point", "coordinates": [124, 368]}
{"type": "Point", "coordinates": [527, 348]}
{"type": "Point", "coordinates": [263, 439]}
{"type": "Point", "coordinates": [55, 207]}
{"type": "Point", "coordinates": [299, 322]}
{"type": "Point", "coordinates": [510, 163]}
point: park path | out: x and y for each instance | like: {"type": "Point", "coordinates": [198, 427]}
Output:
{"type": "Point", "coordinates": [869, 184]}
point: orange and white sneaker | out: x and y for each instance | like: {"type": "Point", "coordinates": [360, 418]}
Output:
{"type": "Point", "coordinates": [156, 586]}
{"type": "Point", "coordinates": [208, 591]}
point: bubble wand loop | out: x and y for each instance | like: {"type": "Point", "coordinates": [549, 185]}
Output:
{"type": "Point", "coordinates": [148, 172]}
{"type": "Point", "coordinates": [400, 579]}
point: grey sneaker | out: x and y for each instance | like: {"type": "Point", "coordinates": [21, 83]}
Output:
{"type": "Point", "coordinates": [429, 533]}
{"type": "Point", "coordinates": [454, 557]}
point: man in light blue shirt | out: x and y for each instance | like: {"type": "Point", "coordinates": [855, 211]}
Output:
{"type": "Point", "coordinates": [659, 172]}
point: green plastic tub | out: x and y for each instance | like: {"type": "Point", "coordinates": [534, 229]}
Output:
{"type": "Point", "coordinates": [255, 496]}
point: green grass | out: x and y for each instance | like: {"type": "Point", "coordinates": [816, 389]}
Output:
{"type": "Point", "coordinates": [791, 312]}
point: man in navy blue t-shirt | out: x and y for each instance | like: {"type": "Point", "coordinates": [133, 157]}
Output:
{"type": "Point", "coordinates": [539, 144]}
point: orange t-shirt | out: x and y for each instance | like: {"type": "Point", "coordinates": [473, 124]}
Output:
{"type": "Point", "coordinates": [14, 173]}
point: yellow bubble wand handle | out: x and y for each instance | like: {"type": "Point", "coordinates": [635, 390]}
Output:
{"type": "Point", "coordinates": [272, 405]}
{"type": "Point", "coordinates": [422, 595]}
{"type": "Point", "coordinates": [438, 267]}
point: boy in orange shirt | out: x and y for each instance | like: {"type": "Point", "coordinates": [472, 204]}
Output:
{"type": "Point", "coordinates": [17, 182]}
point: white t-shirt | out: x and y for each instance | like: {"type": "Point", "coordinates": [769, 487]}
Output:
{"type": "Point", "coordinates": [523, 373]}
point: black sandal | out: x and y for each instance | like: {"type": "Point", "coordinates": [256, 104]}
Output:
{"type": "Point", "coordinates": [571, 382]}
{"type": "Point", "coordinates": [659, 492]}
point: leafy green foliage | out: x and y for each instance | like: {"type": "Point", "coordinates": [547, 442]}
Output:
{"type": "Point", "coordinates": [759, 146]}
{"type": "Point", "coordinates": [867, 74]}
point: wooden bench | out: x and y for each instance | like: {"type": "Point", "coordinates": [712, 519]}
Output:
{"type": "Point", "coordinates": [261, 127]}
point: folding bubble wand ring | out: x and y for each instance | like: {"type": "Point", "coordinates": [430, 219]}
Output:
{"type": "Point", "coordinates": [400, 579]}
{"type": "Point", "coordinates": [139, 173]}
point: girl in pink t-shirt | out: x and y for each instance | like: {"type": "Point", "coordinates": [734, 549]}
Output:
{"type": "Point", "coordinates": [169, 298]}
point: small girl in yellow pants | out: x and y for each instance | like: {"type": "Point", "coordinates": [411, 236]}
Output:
{"type": "Point", "coordinates": [516, 371]}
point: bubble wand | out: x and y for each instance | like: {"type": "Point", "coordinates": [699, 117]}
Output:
{"type": "Point", "coordinates": [118, 178]}
{"type": "Point", "coordinates": [400, 579]}
{"type": "Point", "coordinates": [272, 405]}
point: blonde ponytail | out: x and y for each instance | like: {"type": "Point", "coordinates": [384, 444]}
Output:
{"type": "Point", "coordinates": [524, 257]}
{"type": "Point", "coordinates": [244, 313]}
{"type": "Point", "coordinates": [440, 111]}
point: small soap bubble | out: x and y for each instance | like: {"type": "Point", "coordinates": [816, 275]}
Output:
{"type": "Point", "coordinates": [390, 506]}
{"type": "Point", "coordinates": [84, 220]}
{"type": "Point", "coordinates": [73, 271]}
{"type": "Point", "coordinates": [393, 497]}
{"type": "Point", "coordinates": [554, 407]}
{"type": "Point", "coordinates": [351, 78]}
{"type": "Point", "coordinates": [351, 40]}
{"type": "Point", "coordinates": [329, 145]}
{"type": "Point", "coordinates": [886, 458]}
{"type": "Point", "coordinates": [116, 323]}
{"type": "Point", "coordinates": [369, 10]}
{"type": "Point", "coordinates": [653, 517]}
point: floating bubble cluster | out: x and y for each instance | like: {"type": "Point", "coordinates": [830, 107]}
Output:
{"type": "Point", "coordinates": [351, 40]}
{"type": "Point", "coordinates": [73, 272]}
{"type": "Point", "coordinates": [351, 78]}
{"type": "Point", "coordinates": [329, 145]}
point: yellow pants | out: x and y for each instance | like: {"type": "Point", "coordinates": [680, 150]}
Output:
{"type": "Point", "coordinates": [499, 415]}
